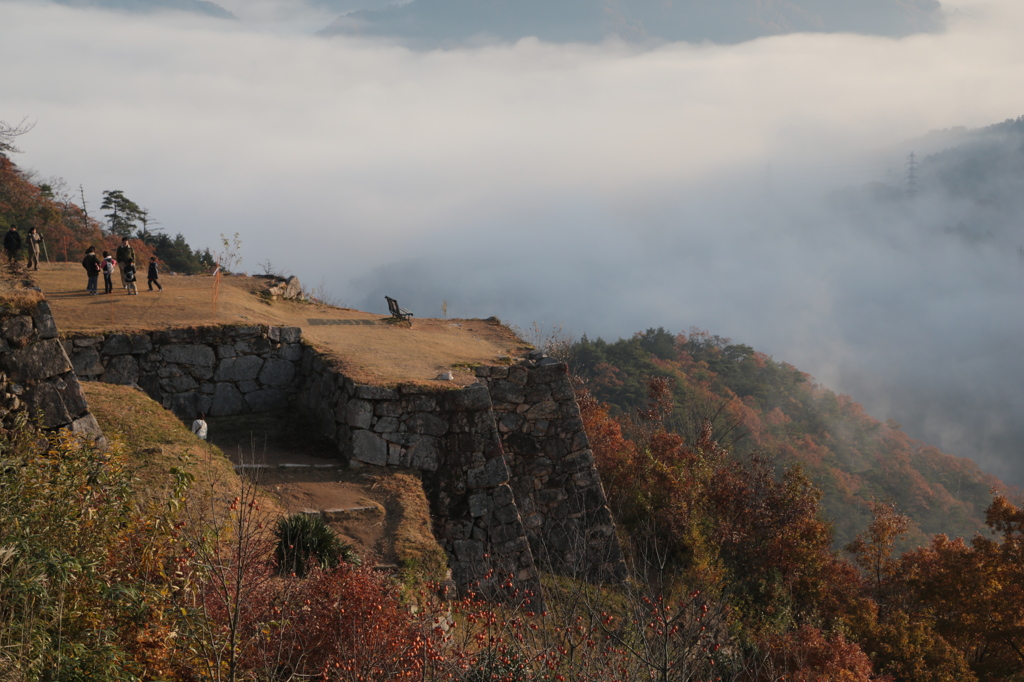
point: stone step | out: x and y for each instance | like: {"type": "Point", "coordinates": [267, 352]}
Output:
{"type": "Point", "coordinates": [287, 465]}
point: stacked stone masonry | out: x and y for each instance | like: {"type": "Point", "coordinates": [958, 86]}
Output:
{"type": "Point", "coordinates": [449, 436]}
{"type": "Point", "coordinates": [37, 376]}
{"type": "Point", "coordinates": [505, 463]}
{"type": "Point", "coordinates": [556, 485]}
{"type": "Point", "coordinates": [216, 370]}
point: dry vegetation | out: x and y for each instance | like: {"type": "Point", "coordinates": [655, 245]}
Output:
{"type": "Point", "coordinates": [365, 345]}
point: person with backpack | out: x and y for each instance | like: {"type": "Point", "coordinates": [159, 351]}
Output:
{"type": "Point", "coordinates": [128, 272]}
{"type": "Point", "coordinates": [108, 273]}
{"type": "Point", "coordinates": [124, 254]}
{"type": "Point", "coordinates": [92, 269]}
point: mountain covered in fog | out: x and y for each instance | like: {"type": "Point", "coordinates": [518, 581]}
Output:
{"type": "Point", "coordinates": [452, 22]}
{"type": "Point", "coordinates": [153, 6]}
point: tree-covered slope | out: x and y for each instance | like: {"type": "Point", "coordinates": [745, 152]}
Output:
{"type": "Point", "coordinates": [757, 404]}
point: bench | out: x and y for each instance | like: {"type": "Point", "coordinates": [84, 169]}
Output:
{"type": "Point", "coordinates": [397, 312]}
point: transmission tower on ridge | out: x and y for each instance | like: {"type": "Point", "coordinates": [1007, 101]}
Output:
{"type": "Point", "coordinates": [911, 175]}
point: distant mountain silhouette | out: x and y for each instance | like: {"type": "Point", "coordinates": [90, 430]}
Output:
{"type": "Point", "coordinates": [149, 6]}
{"type": "Point", "coordinates": [429, 23]}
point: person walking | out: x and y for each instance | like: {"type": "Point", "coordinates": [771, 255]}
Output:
{"type": "Point", "coordinates": [124, 253]}
{"type": "Point", "coordinates": [108, 273]}
{"type": "Point", "coordinates": [128, 272]}
{"type": "Point", "coordinates": [153, 275]}
{"type": "Point", "coordinates": [34, 240]}
{"type": "Point", "coordinates": [92, 269]}
{"type": "Point", "coordinates": [12, 244]}
{"type": "Point", "coordinates": [199, 426]}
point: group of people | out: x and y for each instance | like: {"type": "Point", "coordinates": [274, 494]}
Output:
{"type": "Point", "coordinates": [12, 245]}
{"type": "Point", "coordinates": [124, 260]}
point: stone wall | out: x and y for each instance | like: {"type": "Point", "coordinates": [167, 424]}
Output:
{"type": "Point", "coordinates": [37, 376]}
{"type": "Point", "coordinates": [505, 463]}
{"type": "Point", "coordinates": [217, 370]}
{"type": "Point", "coordinates": [556, 484]}
{"type": "Point", "coordinates": [449, 436]}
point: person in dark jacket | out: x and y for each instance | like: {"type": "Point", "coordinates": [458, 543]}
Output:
{"type": "Point", "coordinates": [92, 269]}
{"type": "Point", "coordinates": [152, 275]}
{"type": "Point", "coordinates": [124, 253]}
{"type": "Point", "coordinates": [12, 244]}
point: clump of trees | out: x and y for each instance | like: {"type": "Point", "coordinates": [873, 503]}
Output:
{"type": "Point", "coordinates": [68, 230]}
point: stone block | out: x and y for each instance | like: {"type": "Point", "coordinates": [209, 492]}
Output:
{"type": "Point", "coordinates": [277, 372]}
{"type": "Point", "coordinates": [473, 397]}
{"type": "Point", "coordinates": [201, 372]}
{"type": "Point", "coordinates": [141, 343]}
{"type": "Point", "coordinates": [117, 344]}
{"type": "Point", "coordinates": [185, 405]}
{"type": "Point", "coordinates": [88, 341]}
{"type": "Point", "coordinates": [151, 385]}
{"type": "Point", "coordinates": [425, 454]}
{"type": "Point", "coordinates": [238, 368]}
{"type": "Point", "coordinates": [386, 425]}
{"type": "Point", "coordinates": [37, 361]}
{"type": "Point", "coordinates": [253, 346]}
{"type": "Point", "coordinates": [17, 330]}
{"type": "Point", "coordinates": [395, 454]}
{"type": "Point", "coordinates": [86, 362]}
{"type": "Point", "coordinates": [503, 496]}
{"type": "Point", "coordinates": [369, 447]}
{"type": "Point", "coordinates": [562, 390]}
{"type": "Point", "coordinates": [538, 394]}
{"type": "Point", "coordinates": [389, 408]}
{"type": "Point", "coordinates": [225, 351]}
{"type": "Point", "coordinates": [506, 514]}
{"type": "Point", "coordinates": [121, 369]}
{"type": "Point", "coordinates": [291, 335]}
{"type": "Point", "coordinates": [179, 384]}
{"type": "Point", "coordinates": [507, 392]}
{"type": "Point", "coordinates": [248, 386]}
{"type": "Point", "coordinates": [189, 354]}
{"type": "Point", "coordinates": [469, 550]}
{"type": "Point", "coordinates": [406, 439]}
{"type": "Point", "coordinates": [72, 395]}
{"type": "Point", "coordinates": [292, 352]}
{"type": "Point", "coordinates": [376, 393]}
{"type": "Point", "coordinates": [578, 461]}
{"type": "Point", "coordinates": [548, 409]}
{"type": "Point", "coordinates": [427, 424]}
{"type": "Point", "coordinates": [45, 404]}
{"type": "Point", "coordinates": [359, 414]}
{"type": "Point", "coordinates": [42, 318]}
{"type": "Point", "coordinates": [266, 399]}
{"type": "Point", "coordinates": [480, 504]}
{"type": "Point", "coordinates": [226, 400]}
{"type": "Point", "coordinates": [517, 375]}
{"type": "Point", "coordinates": [87, 425]}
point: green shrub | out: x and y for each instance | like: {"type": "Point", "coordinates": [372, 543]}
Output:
{"type": "Point", "coordinates": [305, 541]}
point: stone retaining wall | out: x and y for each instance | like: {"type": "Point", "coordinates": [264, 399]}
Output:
{"type": "Point", "coordinates": [216, 370]}
{"type": "Point", "coordinates": [556, 484]}
{"type": "Point", "coordinates": [449, 436]}
{"type": "Point", "coordinates": [37, 376]}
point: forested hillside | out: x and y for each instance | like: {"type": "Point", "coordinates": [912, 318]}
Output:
{"type": "Point", "coordinates": [67, 229]}
{"type": "Point", "coordinates": [759, 405]}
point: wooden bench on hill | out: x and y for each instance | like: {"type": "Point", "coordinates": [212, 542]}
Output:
{"type": "Point", "coordinates": [397, 312]}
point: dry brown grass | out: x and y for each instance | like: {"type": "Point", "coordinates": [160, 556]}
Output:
{"type": "Point", "coordinates": [159, 444]}
{"type": "Point", "coordinates": [367, 348]}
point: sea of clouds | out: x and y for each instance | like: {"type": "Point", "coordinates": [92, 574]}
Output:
{"type": "Point", "coordinates": [608, 188]}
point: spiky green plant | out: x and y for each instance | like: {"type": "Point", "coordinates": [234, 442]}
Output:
{"type": "Point", "coordinates": [305, 541]}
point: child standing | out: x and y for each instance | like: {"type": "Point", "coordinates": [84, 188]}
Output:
{"type": "Point", "coordinates": [129, 277]}
{"type": "Point", "coordinates": [152, 275]}
{"type": "Point", "coordinates": [108, 271]}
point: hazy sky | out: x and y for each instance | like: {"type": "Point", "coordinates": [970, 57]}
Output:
{"type": "Point", "coordinates": [603, 186]}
